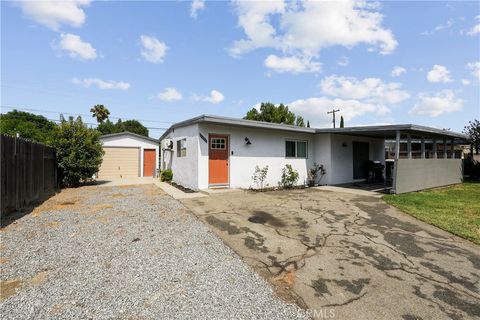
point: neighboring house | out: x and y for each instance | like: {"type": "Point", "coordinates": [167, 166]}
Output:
{"type": "Point", "coordinates": [210, 151]}
{"type": "Point", "coordinates": [128, 155]}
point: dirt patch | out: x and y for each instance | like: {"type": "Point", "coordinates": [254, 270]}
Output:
{"type": "Point", "coordinates": [265, 217]}
{"type": "Point", "coordinates": [9, 288]}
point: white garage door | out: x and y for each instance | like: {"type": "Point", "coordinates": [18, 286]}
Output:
{"type": "Point", "coordinates": [120, 163]}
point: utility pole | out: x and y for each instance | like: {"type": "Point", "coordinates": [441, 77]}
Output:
{"type": "Point", "coordinates": [333, 112]}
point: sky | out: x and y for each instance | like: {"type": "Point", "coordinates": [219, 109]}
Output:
{"type": "Point", "coordinates": [162, 62]}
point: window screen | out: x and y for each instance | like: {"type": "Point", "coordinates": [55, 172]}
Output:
{"type": "Point", "coordinates": [182, 148]}
{"type": "Point", "coordinates": [296, 149]}
{"type": "Point", "coordinates": [290, 149]}
{"type": "Point", "coordinates": [301, 149]}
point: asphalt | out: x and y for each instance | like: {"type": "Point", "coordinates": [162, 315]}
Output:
{"type": "Point", "coordinates": [348, 255]}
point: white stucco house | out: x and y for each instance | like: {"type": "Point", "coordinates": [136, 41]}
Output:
{"type": "Point", "coordinates": [210, 151]}
{"type": "Point", "coordinates": [128, 155]}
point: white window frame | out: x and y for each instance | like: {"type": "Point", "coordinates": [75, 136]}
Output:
{"type": "Point", "coordinates": [182, 148]}
{"type": "Point", "coordinates": [296, 148]}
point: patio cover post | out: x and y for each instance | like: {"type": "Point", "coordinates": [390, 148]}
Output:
{"type": "Point", "coordinates": [444, 148]}
{"type": "Point", "coordinates": [452, 149]}
{"type": "Point", "coordinates": [434, 142]}
{"type": "Point", "coordinates": [409, 146]}
{"type": "Point", "coordinates": [423, 147]}
{"type": "Point", "coordinates": [395, 164]}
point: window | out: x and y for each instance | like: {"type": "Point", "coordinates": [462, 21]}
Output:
{"type": "Point", "coordinates": [217, 143]}
{"type": "Point", "coordinates": [296, 149]}
{"type": "Point", "coordinates": [182, 148]}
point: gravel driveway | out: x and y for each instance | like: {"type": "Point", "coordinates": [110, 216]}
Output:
{"type": "Point", "coordinates": [125, 252]}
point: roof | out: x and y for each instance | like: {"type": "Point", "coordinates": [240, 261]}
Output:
{"type": "Point", "coordinates": [385, 131]}
{"type": "Point", "coordinates": [128, 133]}
{"type": "Point", "coordinates": [238, 122]}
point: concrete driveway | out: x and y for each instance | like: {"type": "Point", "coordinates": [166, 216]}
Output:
{"type": "Point", "coordinates": [349, 254]}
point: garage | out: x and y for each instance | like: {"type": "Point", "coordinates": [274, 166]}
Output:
{"type": "Point", "coordinates": [128, 155]}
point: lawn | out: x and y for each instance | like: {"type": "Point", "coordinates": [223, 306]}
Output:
{"type": "Point", "coordinates": [455, 209]}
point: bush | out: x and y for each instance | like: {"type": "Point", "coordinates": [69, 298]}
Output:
{"type": "Point", "coordinates": [289, 176]}
{"type": "Point", "coordinates": [166, 175]}
{"type": "Point", "coordinates": [259, 176]}
{"type": "Point", "coordinates": [79, 151]}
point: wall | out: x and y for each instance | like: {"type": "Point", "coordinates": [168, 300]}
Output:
{"type": "Point", "coordinates": [418, 174]}
{"type": "Point", "coordinates": [342, 157]}
{"type": "Point", "coordinates": [185, 169]}
{"type": "Point", "coordinates": [132, 141]}
{"type": "Point", "coordinates": [323, 156]}
{"type": "Point", "coordinates": [267, 148]}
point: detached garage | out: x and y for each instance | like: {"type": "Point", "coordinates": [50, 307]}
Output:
{"type": "Point", "coordinates": [128, 155]}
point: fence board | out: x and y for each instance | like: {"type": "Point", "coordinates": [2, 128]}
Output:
{"type": "Point", "coordinates": [28, 173]}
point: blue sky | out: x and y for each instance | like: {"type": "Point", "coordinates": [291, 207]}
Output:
{"type": "Point", "coordinates": [163, 62]}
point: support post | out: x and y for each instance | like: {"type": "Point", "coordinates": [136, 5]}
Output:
{"type": "Point", "coordinates": [423, 148]}
{"type": "Point", "coordinates": [395, 163]}
{"type": "Point", "coordinates": [434, 145]}
{"type": "Point", "coordinates": [452, 149]}
{"type": "Point", "coordinates": [444, 148]}
{"type": "Point", "coordinates": [409, 146]}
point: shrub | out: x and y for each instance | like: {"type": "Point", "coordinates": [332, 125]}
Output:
{"type": "Point", "coordinates": [289, 176]}
{"type": "Point", "coordinates": [79, 151]}
{"type": "Point", "coordinates": [259, 176]}
{"type": "Point", "coordinates": [166, 175]}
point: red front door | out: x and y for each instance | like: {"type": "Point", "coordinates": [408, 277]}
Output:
{"type": "Point", "coordinates": [148, 162]}
{"type": "Point", "coordinates": [218, 159]}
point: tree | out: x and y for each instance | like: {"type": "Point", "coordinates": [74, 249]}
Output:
{"type": "Point", "coordinates": [135, 127]}
{"type": "Point", "coordinates": [473, 131]}
{"type": "Point", "coordinates": [271, 113]}
{"type": "Point", "coordinates": [79, 151]}
{"type": "Point", "coordinates": [107, 127]}
{"type": "Point", "coordinates": [300, 122]}
{"type": "Point", "coordinates": [28, 125]}
{"type": "Point", "coordinates": [308, 124]}
{"type": "Point", "coordinates": [342, 123]}
{"type": "Point", "coordinates": [100, 112]}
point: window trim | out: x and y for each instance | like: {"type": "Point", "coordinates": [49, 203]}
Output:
{"type": "Point", "coordinates": [296, 148]}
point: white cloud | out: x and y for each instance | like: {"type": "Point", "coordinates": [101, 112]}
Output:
{"type": "Point", "coordinates": [54, 14]}
{"type": "Point", "coordinates": [475, 69]}
{"type": "Point", "coordinates": [101, 84]}
{"type": "Point", "coordinates": [315, 109]}
{"type": "Point", "coordinates": [153, 49]}
{"type": "Point", "coordinates": [197, 5]}
{"type": "Point", "coordinates": [76, 47]}
{"type": "Point", "coordinates": [437, 104]}
{"type": "Point", "coordinates": [465, 82]}
{"type": "Point", "coordinates": [291, 64]}
{"type": "Point", "coordinates": [170, 94]}
{"type": "Point", "coordinates": [440, 27]}
{"type": "Point", "coordinates": [214, 97]}
{"type": "Point", "coordinates": [372, 90]}
{"type": "Point", "coordinates": [345, 23]}
{"type": "Point", "coordinates": [476, 28]}
{"type": "Point", "coordinates": [439, 74]}
{"type": "Point", "coordinates": [398, 71]}
{"type": "Point", "coordinates": [343, 61]}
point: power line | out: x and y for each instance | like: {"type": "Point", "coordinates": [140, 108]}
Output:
{"type": "Point", "coordinates": [79, 114]}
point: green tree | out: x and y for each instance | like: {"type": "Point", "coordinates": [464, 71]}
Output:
{"type": "Point", "coordinates": [271, 113]}
{"type": "Point", "coordinates": [100, 112]}
{"type": "Point", "coordinates": [28, 125]}
{"type": "Point", "coordinates": [107, 127]}
{"type": "Point", "coordinates": [300, 122]}
{"type": "Point", "coordinates": [79, 151]}
{"type": "Point", "coordinates": [473, 131]}
{"type": "Point", "coordinates": [134, 126]}
{"type": "Point", "coordinates": [308, 124]}
{"type": "Point", "coordinates": [342, 123]}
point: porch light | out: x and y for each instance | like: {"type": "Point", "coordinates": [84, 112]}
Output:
{"type": "Point", "coordinates": [247, 141]}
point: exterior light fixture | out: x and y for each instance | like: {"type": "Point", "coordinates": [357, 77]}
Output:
{"type": "Point", "coordinates": [247, 141]}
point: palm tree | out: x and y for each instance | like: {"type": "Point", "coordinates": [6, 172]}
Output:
{"type": "Point", "coordinates": [100, 112]}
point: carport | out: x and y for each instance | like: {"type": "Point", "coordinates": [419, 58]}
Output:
{"type": "Point", "coordinates": [422, 157]}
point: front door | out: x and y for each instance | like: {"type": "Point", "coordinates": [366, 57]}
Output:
{"type": "Point", "coordinates": [149, 162]}
{"type": "Point", "coordinates": [218, 159]}
{"type": "Point", "coordinates": [360, 158]}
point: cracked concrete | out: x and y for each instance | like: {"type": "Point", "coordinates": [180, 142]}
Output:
{"type": "Point", "coordinates": [356, 254]}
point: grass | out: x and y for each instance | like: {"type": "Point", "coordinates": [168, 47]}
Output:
{"type": "Point", "coordinates": [455, 209]}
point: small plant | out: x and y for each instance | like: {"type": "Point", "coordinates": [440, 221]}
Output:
{"type": "Point", "coordinates": [314, 172]}
{"type": "Point", "coordinates": [259, 176]}
{"type": "Point", "coordinates": [289, 176]}
{"type": "Point", "coordinates": [166, 175]}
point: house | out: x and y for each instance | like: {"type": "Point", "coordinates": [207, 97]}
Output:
{"type": "Point", "coordinates": [128, 155]}
{"type": "Point", "coordinates": [210, 151]}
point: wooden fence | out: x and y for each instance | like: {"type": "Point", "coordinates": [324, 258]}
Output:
{"type": "Point", "coordinates": [28, 173]}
